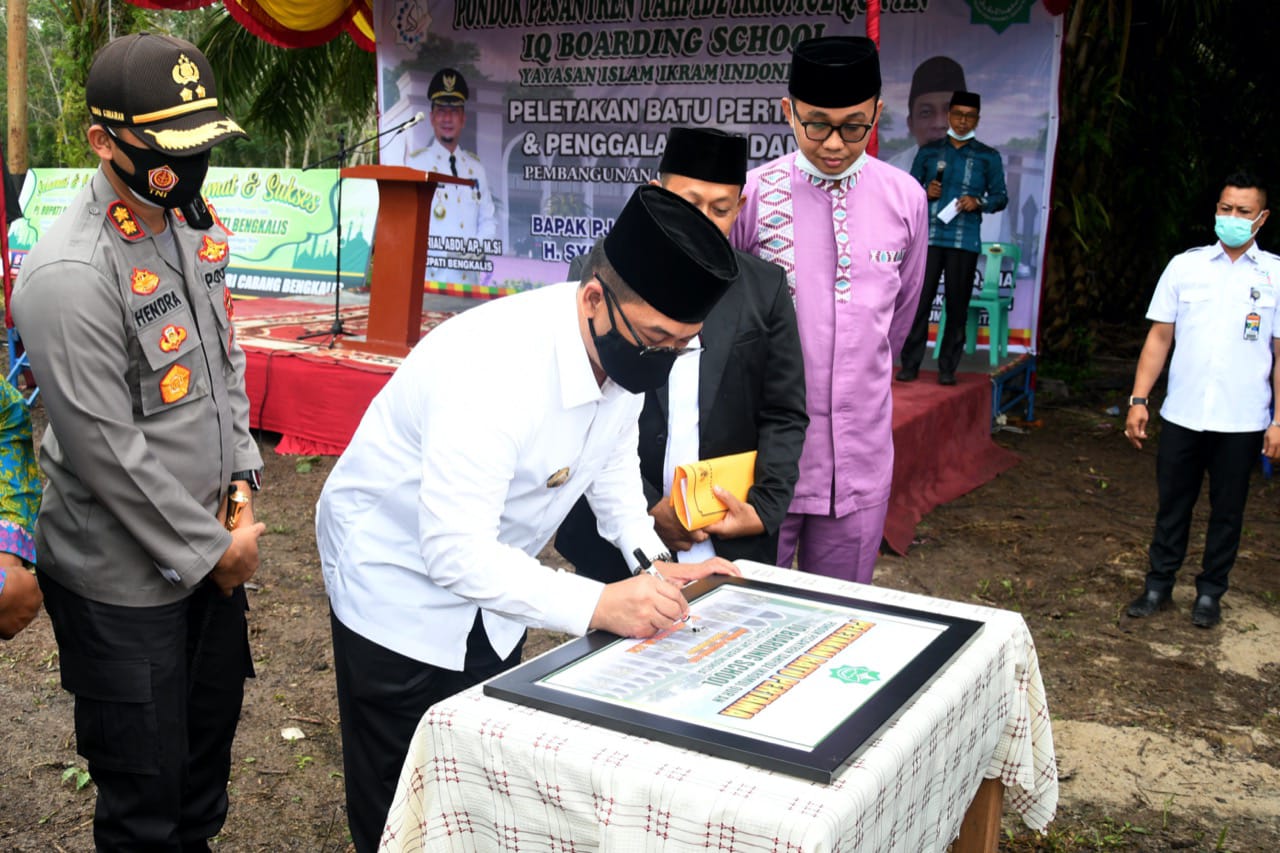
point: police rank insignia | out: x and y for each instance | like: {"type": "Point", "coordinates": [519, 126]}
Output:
{"type": "Point", "coordinates": [211, 250]}
{"type": "Point", "coordinates": [171, 337]}
{"type": "Point", "coordinates": [119, 215]}
{"type": "Point", "coordinates": [558, 479]}
{"type": "Point", "coordinates": [143, 281]}
{"type": "Point", "coordinates": [176, 384]}
{"type": "Point", "coordinates": [187, 75]}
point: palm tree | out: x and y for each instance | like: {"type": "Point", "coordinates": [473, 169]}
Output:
{"type": "Point", "coordinates": [290, 99]}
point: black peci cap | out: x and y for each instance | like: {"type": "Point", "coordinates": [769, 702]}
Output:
{"type": "Point", "coordinates": [835, 71]}
{"type": "Point", "coordinates": [448, 87]}
{"type": "Point", "coordinates": [671, 255]}
{"type": "Point", "coordinates": [966, 99]}
{"type": "Point", "coordinates": [705, 154]}
{"type": "Point", "coordinates": [935, 74]}
{"type": "Point", "coordinates": [162, 89]}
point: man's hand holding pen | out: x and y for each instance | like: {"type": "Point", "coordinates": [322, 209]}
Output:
{"type": "Point", "coordinates": [651, 601]}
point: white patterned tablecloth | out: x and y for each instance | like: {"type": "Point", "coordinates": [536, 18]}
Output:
{"type": "Point", "coordinates": [484, 774]}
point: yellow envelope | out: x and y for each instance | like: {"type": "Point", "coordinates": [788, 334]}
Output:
{"type": "Point", "coordinates": [695, 504]}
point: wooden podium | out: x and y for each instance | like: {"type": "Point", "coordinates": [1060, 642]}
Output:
{"type": "Point", "coordinates": [399, 255]}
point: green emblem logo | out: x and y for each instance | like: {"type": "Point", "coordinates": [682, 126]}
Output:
{"type": "Point", "coordinates": [855, 674]}
{"type": "Point", "coordinates": [1000, 14]}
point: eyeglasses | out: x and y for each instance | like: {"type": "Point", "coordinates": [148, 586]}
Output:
{"type": "Point", "coordinates": [610, 300]}
{"type": "Point", "coordinates": [959, 115]}
{"type": "Point", "coordinates": [820, 131]}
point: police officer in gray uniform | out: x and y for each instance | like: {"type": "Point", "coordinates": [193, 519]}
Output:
{"type": "Point", "coordinates": [457, 213]}
{"type": "Point", "coordinates": [124, 311]}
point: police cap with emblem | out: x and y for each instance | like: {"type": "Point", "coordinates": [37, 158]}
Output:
{"type": "Point", "coordinates": [448, 88]}
{"type": "Point", "coordinates": [705, 154]}
{"type": "Point", "coordinates": [162, 89]}
{"type": "Point", "coordinates": [835, 71]}
{"type": "Point", "coordinates": [670, 254]}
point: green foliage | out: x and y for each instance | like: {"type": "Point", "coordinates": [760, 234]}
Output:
{"type": "Point", "coordinates": [304, 464]}
{"type": "Point", "coordinates": [78, 776]}
{"type": "Point", "coordinates": [1160, 101]}
{"type": "Point", "coordinates": [291, 101]}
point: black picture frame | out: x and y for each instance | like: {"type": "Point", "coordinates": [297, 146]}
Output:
{"type": "Point", "coordinates": [524, 685]}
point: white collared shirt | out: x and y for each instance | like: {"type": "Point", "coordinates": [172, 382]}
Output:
{"type": "Point", "coordinates": [1219, 381]}
{"type": "Point", "coordinates": [683, 444]}
{"type": "Point", "coordinates": [449, 489]}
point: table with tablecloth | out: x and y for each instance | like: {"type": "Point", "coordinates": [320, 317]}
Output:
{"type": "Point", "coordinates": [485, 774]}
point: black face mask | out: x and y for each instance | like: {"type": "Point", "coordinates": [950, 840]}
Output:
{"type": "Point", "coordinates": [163, 180]}
{"type": "Point", "coordinates": [628, 364]}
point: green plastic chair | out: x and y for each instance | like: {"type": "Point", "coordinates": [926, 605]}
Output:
{"type": "Point", "coordinates": [997, 306]}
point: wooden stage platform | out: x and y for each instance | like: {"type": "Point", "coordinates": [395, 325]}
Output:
{"type": "Point", "coordinates": [314, 395]}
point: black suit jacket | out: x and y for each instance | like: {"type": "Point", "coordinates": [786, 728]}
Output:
{"type": "Point", "coordinates": [750, 397]}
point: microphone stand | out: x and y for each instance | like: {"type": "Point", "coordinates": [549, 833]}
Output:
{"type": "Point", "coordinates": [336, 328]}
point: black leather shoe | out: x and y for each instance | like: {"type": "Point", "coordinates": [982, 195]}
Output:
{"type": "Point", "coordinates": [946, 379]}
{"type": "Point", "coordinates": [1206, 612]}
{"type": "Point", "coordinates": [908, 374]}
{"type": "Point", "coordinates": [1149, 602]}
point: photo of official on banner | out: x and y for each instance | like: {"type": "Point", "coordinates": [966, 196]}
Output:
{"type": "Point", "coordinates": [557, 111]}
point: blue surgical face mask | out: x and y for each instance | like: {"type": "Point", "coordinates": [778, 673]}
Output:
{"type": "Point", "coordinates": [1234, 231]}
{"type": "Point", "coordinates": [970, 135]}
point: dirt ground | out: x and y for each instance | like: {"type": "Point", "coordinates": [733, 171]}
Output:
{"type": "Point", "coordinates": [1168, 736]}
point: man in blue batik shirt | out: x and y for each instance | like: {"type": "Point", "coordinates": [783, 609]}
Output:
{"type": "Point", "coordinates": [964, 179]}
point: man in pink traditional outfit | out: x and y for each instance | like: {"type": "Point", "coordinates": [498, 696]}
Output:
{"type": "Point", "coordinates": [852, 234]}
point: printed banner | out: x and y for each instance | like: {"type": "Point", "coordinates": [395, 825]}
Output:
{"type": "Point", "coordinates": [768, 666]}
{"type": "Point", "coordinates": [281, 224]}
{"type": "Point", "coordinates": [558, 110]}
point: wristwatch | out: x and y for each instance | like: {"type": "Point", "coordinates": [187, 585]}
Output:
{"type": "Point", "coordinates": [645, 563]}
{"type": "Point", "coordinates": [253, 478]}
{"type": "Point", "coordinates": [1137, 401]}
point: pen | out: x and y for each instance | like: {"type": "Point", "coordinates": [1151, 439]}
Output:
{"type": "Point", "coordinates": [647, 566]}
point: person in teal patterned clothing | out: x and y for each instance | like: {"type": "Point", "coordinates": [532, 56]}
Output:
{"type": "Point", "coordinates": [20, 596]}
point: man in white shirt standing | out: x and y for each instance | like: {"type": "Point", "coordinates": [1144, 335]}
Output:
{"type": "Point", "coordinates": [1219, 303]}
{"type": "Point", "coordinates": [459, 215]}
{"type": "Point", "coordinates": [468, 460]}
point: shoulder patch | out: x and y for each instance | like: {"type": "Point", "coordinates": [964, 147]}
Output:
{"type": "Point", "coordinates": [143, 281]}
{"type": "Point", "coordinates": [176, 384]}
{"type": "Point", "coordinates": [121, 217]}
{"type": "Point", "coordinates": [211, 250]}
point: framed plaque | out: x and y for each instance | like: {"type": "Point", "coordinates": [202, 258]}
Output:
{"type": "Point", "coordinates": [783, 678]}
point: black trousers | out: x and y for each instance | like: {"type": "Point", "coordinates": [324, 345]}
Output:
{"type": "Point", "coordinates": [157, 692]}
{"type": "Point", "coordinates": [382, 696]}
{"type": "Point", "coordinates": [1183, 459]}
{"type": "Point", "coordinates": [959, 266]}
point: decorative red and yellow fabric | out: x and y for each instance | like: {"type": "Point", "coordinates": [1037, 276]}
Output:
{"type": "Point", "coordinates": [291, 23]}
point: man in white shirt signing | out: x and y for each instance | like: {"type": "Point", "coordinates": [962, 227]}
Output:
{"type": "Point", "coordinates": [468, 460]}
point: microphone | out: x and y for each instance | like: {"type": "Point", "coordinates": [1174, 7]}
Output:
{"type": "Point", "coordinates": [417, 119]}
{"type": "Point", "coordinates": [942, 166]}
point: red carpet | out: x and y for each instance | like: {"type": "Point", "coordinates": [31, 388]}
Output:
{"type": "Point", "coordinates": [942, 449]}
{"type": "Point", "coordinates": [314, 397]}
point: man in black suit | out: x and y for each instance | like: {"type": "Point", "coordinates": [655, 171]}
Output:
{"type": "Point", "coordinates": [743, 391]}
